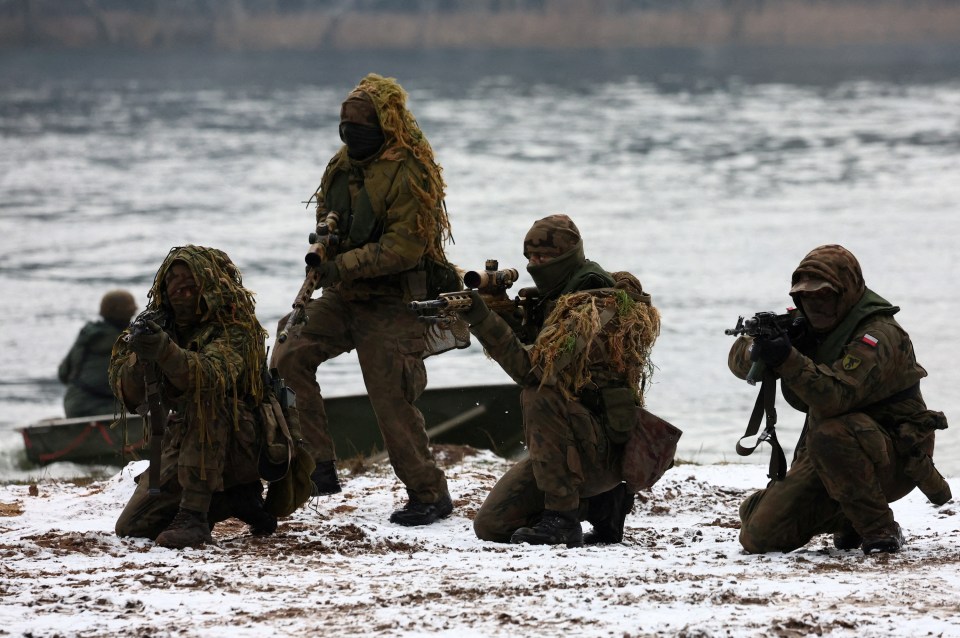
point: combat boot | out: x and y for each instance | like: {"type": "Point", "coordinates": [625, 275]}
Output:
{"type": "Point", "coordinates": [847, 537]}
{"type": "Point", "coordinates": [607, 512]}
{"type": "Point", "coordinates": [554, 528]}
{"type": "Point", "coordinates": [188, 529]}
{"type": "Point", "coordinates": [246, 503]}
{"type": "Point", "coordinates": [889, 540]}
{"type": "Point", "coordinates": [416, 512]}
{"type": "Point", "coordinates": [325, 480]}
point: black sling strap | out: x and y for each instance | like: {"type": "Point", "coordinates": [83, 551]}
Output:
{"type": "Point", "coordinates": [765, 406]}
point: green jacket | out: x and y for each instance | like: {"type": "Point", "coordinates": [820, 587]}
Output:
{"type": "Point", "coordinates": [865, 360]}
{"type": "Point", "coordinates": [379, 238]}
{"type": "Point", "coordinates": [84, 371]}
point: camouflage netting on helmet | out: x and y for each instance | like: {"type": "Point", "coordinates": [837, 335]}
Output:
{"type": "Point", "coordinates": [402, 131]}
{"type": "Point", "coordinates": [228, 304]}
{"type": "Point", "coordinates": [576, 343]}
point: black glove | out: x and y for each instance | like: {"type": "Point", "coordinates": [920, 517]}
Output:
{"type": "Point", "coordinates": [150, 346]}
{"type": "Point", "coordinates": [478, 309]}
{"type": "Point", "coordinates": [329, 274]}
{"type": "Point", "coordinates": [772, 351]}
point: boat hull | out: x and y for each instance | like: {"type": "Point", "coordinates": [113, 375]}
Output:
{"type": "Point", "coordinates": [485, 417]}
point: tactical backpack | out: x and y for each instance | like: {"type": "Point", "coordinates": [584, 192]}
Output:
{"type": "Point", "coordinates": [284, 460]}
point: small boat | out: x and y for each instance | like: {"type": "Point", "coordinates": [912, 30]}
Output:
{"type": "Point", "coordinates": [486, 417]}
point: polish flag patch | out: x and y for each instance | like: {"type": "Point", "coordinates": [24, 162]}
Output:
{"type": "Point", "coordinates": [870, 340]}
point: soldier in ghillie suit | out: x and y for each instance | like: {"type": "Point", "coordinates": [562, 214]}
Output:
{"type": "Point", "coordinates": [209, 352]}
{"type": "Point", "coordinates": [868, 436]}
{"type": "Point", "coordinates": [84, 369]}
{"type": "Point", "coordinates": [582, 373]}
{"type": "Point", "coordinates": [388, 193]}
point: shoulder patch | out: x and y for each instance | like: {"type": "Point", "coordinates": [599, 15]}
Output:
{"type": "Point", "coordinates": [870, 340]}
{"type": "Point", "coordinates": [851, 362]}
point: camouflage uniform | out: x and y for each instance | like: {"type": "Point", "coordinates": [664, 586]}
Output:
{"type": "Point", "coordinates": [392, 221]}
{"type": "Point", "coordinates": [211, 382]}
{"type": "Point", "coordinates": [84, 369]}
{"type": "Point", "coordinates": [572, 456]}
{"type": "Point", "coordinates": [868, 436]}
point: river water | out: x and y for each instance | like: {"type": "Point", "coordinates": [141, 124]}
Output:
{"type": "Point", "coordinates": [709, 174]}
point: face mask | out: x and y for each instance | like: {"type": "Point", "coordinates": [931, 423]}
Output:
{"type": "Point", "coordinates": [362, 141]}
{"type": "Point", "coordinates": [183, 294]}
{"type": "Point", "coordinates": [821, 310]}
{"type": "Point", "coordinates": [551, 276]}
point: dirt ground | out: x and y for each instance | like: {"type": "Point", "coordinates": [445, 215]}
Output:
{"type": "Point", "coordinates": [339, 566]}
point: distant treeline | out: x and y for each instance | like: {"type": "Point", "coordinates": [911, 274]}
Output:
{"type": "Point", "coordinates": [404, 24]}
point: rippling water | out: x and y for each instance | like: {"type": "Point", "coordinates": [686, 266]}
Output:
{"type": "Point", "coordinates": [708, 174]}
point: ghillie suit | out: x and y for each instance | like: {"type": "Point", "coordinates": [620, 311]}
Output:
{"type": "Point", "coordinates": [387, 191]}
{"type": "Point", "coordinates": [210, 366]}
{"type": "Point", "coordinates": [405, 144]}
{"type": "Point", "coordinates": [583, 373]}
{"type": "Point", "coordinates": [226, 308]}
{"type": "Point", "coordinates": [594, 336]}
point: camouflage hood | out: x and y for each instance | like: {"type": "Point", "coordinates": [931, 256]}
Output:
{"type": "Point", "coordinates": [836, 266]}
{"type": "Point", "coordinates": [403, 137]}
{"type": "Point", "coordinates": [558, 238]}
{"type": "Point", "coordinates": [224, 302]}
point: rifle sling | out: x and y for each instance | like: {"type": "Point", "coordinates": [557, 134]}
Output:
{"type": "Point", "coordinates": [764, 406]}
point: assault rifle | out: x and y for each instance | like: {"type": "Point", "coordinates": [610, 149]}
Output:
{"type": "Point", "coordinates": [765, 325]}
{"type": "Point", "coordinates": [492, 284]}
{"type": "Point", "coordinates": [153, 406]}
{"type": "Point", "coordinates": [323, 246]}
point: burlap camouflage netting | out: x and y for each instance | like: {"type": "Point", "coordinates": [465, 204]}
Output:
{"type": "Point", "coordinates": [227, 304]}
{"type": "Point", "coordinates": [575, 331]}
{"type": "Point", "coordinates": [402, 132]}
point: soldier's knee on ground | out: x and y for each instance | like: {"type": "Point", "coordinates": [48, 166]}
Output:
{"type": "Point", "coordinates": [757, 537]}
{"type": "Point", "coordinates": [486, 529]}
{"type": "Point", "coordinates": [129, 527]}
{"type": "Point", "coordinates": [752, 530]}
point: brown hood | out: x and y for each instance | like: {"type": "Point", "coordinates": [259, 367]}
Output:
{"type": "Point", "coordinates": [838, 267]}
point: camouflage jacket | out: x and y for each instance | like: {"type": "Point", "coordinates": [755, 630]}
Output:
{"type": "Point", "coordinates": [505, 346]}
{"type": "Point", "coordinates": [210, 353]}
{"type": "Point", "coordinates": [214, 372]}
{"type": "Point", "coordinates": [379, 237]}
{"type": "Point", "coordinates": [859, 366]}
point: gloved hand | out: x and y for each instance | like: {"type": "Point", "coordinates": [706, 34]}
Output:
{"type": "Point", "coordinates": [478, 309]}
{"type": "Point", "coordinates": [329, 274]}
{"type": "Point", "coordinates": [772, 351]}
{"type": "Point", "coordinates": [150, 346]}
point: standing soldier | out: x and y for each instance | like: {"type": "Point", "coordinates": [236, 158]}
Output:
{"type": "Point", "coordinates": [210, 355]}
{"type": "Point", "coordinates": [868, 436]}
{"type": "Point", "coordinates": [582, 378]}
{"type": "Point", "coordinates": [84, 369]}
{"type": "Point", "coordinates": [384, 193]}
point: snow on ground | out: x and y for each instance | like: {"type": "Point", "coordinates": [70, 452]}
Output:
{"type": "Point", "coordinates": [339, 568]}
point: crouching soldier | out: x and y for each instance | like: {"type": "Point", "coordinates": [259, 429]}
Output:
{"type": "Point", "coordinates": [581, 358]}
{"type": "Point", "coordinates": [206, 348]}
{"type": "Point", "coordinates": [868, 436]}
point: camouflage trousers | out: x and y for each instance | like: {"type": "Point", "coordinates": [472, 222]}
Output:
{"type": "Point", "coordinates": [570, 459]}
{"type": "Point", "coordinates": [390, 343]}
{"type": "Point", "coordinates": [192, 476]}
{"type": "Point", "coordinates": [844, 477]}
